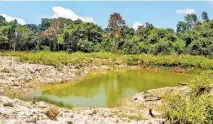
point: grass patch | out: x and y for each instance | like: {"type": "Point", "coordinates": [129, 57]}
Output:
{"type": "Point", "coordinates": [51, 101]}
{"type": "Point", "coordinates": [80, 59]}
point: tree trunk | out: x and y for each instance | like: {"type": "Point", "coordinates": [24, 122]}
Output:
{"type": "Point", "coordinates": [14, 46]}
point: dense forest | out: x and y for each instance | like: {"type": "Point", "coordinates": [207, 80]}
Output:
{"type": "Point", "coordinates": [192, 36]}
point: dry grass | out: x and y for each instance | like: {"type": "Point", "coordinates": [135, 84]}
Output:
{"type": "Point", "coordinates": [52, 113]}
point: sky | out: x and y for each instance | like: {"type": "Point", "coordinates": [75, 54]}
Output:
{"type": "Point", "coordinates": [160, 14]}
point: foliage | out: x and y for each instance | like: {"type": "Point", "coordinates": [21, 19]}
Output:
{"type": "Point", "coordinates": [107, 58]}
{"type": "Point", "coordinates": [115, 25]}
{"type": "Point", "coordinates": [82, 36]}
{"type": "Point", "coordinates": [85, 46]}
{"type": "Point", "coordinates": [204, 16]}
{"type": "Point", "coordinates": [194, 107]}
{"type": "Point", "coordinates": [202, 83]}
{"type": "Point", "coordinates": [192, 36]}
{"type": "Point", "coordinates": [194, 110]}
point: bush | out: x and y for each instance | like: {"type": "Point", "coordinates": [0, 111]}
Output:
{"type": "Point", "coordinates": [183, 110]}
{"type": "Point", "coordinates": [76, 58]}
{"type": "Point", "coordinates": [202, 46]}
{"type": "Point", "coordinates": [194, 108]}
{"type": "Point", "coordinates": [44, 48]}
{"type": "Point", "coordinates": [162, 47]}
{"type": "Point", "coordinates": [202, 83]}
{"type": "Point", "coordinates": [108, 44]}
{"type": "Point", "coordinates": [85, 46]}
{"type": "Point", "coordinates": [173, 108]}
{"type": "Point", "coordinates": [179, 46]}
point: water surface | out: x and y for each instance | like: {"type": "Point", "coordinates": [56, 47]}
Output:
{"type": "Point", "coordinates": [105, 90]}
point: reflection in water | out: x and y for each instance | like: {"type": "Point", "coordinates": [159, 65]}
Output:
{"type": "Point", "coordinates": [105, 90]}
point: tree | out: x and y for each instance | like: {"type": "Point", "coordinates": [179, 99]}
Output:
{"type": "Point", "coordinates": [170, 30]}
{"type": "Point", "coordinates": [204, 16]}
{"type": "Point", "coordinates": [24, 37]}
{"type": "Point", "coordinates": [12, 34]}
{"type": "Point", "coordinates": [2, 20]}
{"type": "Point", "coordinates": [144, 31]}
{"type": "Point", "coordinates": [202, 46]}
{"type": "Point", "coordinates": [115, 24]}
{"type": "Point", "coordinates": [85, 46]}
{"type": "Point", "coordinates": [181, 26]}
{"type": "Point", "coordinates": [190, 19]}
{"type": "Point", "coordinates": [45, 24]}
{"type": "Point", "coordinates": [3, 37]}
{"type": "Point", "coordinates": [51, 34]}
{"type": "Point", "coordinates": [117, 29]}
{"type": "Point", "coordinates": [82, 32]}
{"type": "Point", "coordinates": [33, 27]}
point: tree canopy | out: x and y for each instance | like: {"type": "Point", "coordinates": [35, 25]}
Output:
{"type": "Point", "coordinates": [191, 36]}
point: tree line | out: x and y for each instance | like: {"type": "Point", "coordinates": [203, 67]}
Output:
{"type": "Point", "coordinates": [192, 36]}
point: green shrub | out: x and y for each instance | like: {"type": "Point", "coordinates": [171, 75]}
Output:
{"type": "Point", "coordinates": [193, 108]}
{"type": "Point", "coordinates": [79, 58]}
{"type": "Point", "coordinates": [201, 83]}
{"type": "Point", "coordinates": [52, 101]}
{"type": "Point", "coordinates": [184, 110]}
{"type": "Point", "coordinates": [85, 46]}
{"type": "Point", "coordinates": [173, 107]}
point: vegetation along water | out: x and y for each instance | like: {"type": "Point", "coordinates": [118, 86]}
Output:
{"type": "Point", "coordinates": [105, 90]}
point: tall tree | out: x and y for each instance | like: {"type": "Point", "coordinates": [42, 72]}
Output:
{"type": "Point", "coordinates": [115, 24]}
{"type": "Point", "coordinates": [51, 34]}
{"type": "Point", "coordinates": [23, 38]}
{"type": "Point", "coordinates": [12, 34]}
{"type": "Point", "coordinates": [181, 26]}
{"type": "Point", "coordinates": [191, 19]}
{"type": "Point", "coordinates": [78, 34]}
{"type": "Point", "coordinates": [204, 16]}
{"type": "Point", "coordinates": [33, 27]}
{"type": "Point", "coordinates": [116, 28]}
{"type": "Point", "coordinates": [2, 20]}
{"type": "Point", "coordinates": [45, 24]}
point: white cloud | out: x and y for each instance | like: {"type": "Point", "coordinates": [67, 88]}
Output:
{"type": "Point", "coordinates": [9, 19]}
{"type": "Point", "coordinates": [136, 25]}
{"type": "Point", "coordinates": [157, 26]}
{"type": "Point", "coordinates": [210, 1]}
{"type": "Point", "coordinates": [40, 17]}
{"type": "Point", "coordinates": [68, 13]}
{"type": "Point", "coordinates": [186, 11]}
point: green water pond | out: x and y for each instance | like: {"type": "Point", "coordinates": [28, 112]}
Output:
{"type": "Point", "coordinates": [106, 89]}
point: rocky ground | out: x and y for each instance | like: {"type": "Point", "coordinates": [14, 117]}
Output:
{"type": "Point", "coordinates": [24, 76]}
{"type": "Point", "coordinates": [14, 111]}
{"type": "Point", "coordinates": [16, 76]}
{"type": "Point", "coordinates": [12, 72]}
